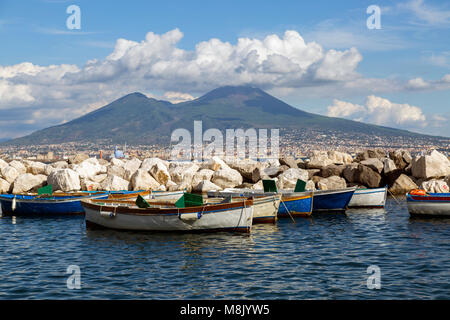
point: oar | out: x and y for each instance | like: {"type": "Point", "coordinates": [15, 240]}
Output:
{"type": "Point", "coordinates": [293, 220]}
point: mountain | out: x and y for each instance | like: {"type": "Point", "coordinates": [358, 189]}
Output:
{"type": "Point", "coordinates": [137, 119]}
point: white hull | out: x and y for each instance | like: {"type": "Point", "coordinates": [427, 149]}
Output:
{"type": "Point", "coordinates": [165, 195]}
{"type": "Point", "coordinates": [429, 208]}
{"type": "Point", "coordinates": [368, 198]}
{"type": "Point", "coordinates": [228, 219]}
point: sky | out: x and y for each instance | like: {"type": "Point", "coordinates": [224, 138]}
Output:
{"type": "Point", "coordinates": [335, 58]}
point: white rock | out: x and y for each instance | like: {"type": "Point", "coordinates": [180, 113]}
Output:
{"type": "Point", "coordinates": [10, 174]}
{"type": "Point", "coordinates": [214, 164]}
{"type": "Point", "coordinates": [244, 167]}
{"type": "Point", "coordinates": [205, 186]}
{"type": "Point", "coordinates": [374, 163]}
{"type": "Point", "coordinates": [332, 183]}
{"type": "Point", "coordinates": [99, 178]}
{"type": "Point", "coordinates": [89, 168]}
{"type": "Point", "coordinates": [388, 165]}
{"type": "Point", "coordinates": [19, 166]}
{"type": "Point", "coordinates": [64, 180]}
{"type": "Point", "coordinates": [338, 157]}
{"type": "Point", "coordinates": [319, 159]}
{"type": "Point", "coordinates": [402, 185]}
{"type": "Point", "coordinates": [148, 163]}
{"type": "Point", "coordinates": [227, 178]}
{"type": "Point", "coordinates": [27, 182]}
{"type": "Point", "coordinates": [35, 167]}
{"type": "Point", "coordinates": [131, 166]}
{"type": "Point", "coordinates": [183, 174]}
{"type": "Point", "coordinates": [160, 172]}
{"type": "Point", "coordinates": [258, 186]}
{"type": "Point", "coordinates": [203, 174]}
{"type": "Point", "coordinates": [435, 186]}
{"type": "Point", "coordinates": [116, 171]}
{"type": "Point", "coordinates": [142, 180]}
{"type": "Point", "coordinates": [4, 186]}
{"type": "Point", "coordinates": [310, 185]}
{"type": "Point", "coordinates": [114, 183]}
{"type": "Point", "coordinates": [3, 164]}
{"type": "Point", "coordinates": [288, 179]}
{"type": "Point", "coordinates": [60, 165]}
{"type": "Point", "coordinates": [434, 165]}
{"type": "Point", "coordinates": [89, 185]}
{"type": "Point", "coordinates": [49, 169]}
{"type": "Point", "coordinates": [117, 162]}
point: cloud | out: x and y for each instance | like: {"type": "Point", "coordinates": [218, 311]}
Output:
{"type": "Point", "coordinates": [427, 14]}
{"type": "Point", "coordinates": [380, 111]}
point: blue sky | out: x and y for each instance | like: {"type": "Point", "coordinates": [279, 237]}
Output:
{"type": "Point", "coordinates": [398, 75]}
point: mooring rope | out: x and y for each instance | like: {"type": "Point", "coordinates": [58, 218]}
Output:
{"type": "Point", "coordinates": [293, 220]}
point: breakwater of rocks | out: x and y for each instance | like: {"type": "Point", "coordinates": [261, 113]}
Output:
{"type": "Point", "coordinates": [324, 170]}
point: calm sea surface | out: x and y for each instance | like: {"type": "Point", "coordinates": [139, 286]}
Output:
{"type": "Point", "coordinates": [322, 257]}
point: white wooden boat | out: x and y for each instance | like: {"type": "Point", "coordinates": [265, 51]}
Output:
{"type": "Point", "coordinates": [265, 208]}
{"type": "Point", "coordinates": [368, 198]}
{"type": "Point", "coordinates": [428, 204]}
{"type": "Point", "coordinates": [125, 215]}
{"type": "Point", "coordinates": [165, 195]}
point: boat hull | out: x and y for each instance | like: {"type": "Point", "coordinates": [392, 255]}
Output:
{"type": "Point", "coordinates": [233, 217]}
{"type": "Point", "coordinates": [332, 200]}
{"type": "Point", "coordinates": [432, 205]}
{"type": "Point", "coordinates": [300, 205]}
{"type": "Point", "coordinates": [368, 198]}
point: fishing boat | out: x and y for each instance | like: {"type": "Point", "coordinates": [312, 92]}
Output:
{"type": "Point", "coordinates": [421, 203]}
{"type": "Point", "coordinates": [127, 215]}
{"type": "Point", "coordinates": [265, 208]}
{"type": "Point", "coordinates": [332, 200]}
{"type": "Point", "coordinates": [165, 195]}
{"type": "Point", "coordinates": [368, 198]}
{"type": "Point", "coordinates": [55, 204]}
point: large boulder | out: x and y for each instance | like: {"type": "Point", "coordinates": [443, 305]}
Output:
{"type": "Point", "coordinates": [89, 168]}
{"type": "Point", "coordinates": [389, 166]}
{"type": "Point", "coordinates": [434, 165]}
{"type": "Point", "coordinates": [64, 180]}
{"type": "Point", "coordinates": [402, 185]}
{"type": "Point", "coordinates": [338, 157]}
{"type": "Point", "coordinates": [262, 172]}
{"type": "Point", "coordinates": [374, 163]}
{"type": "Point", "coordinates": [289, 161]}
{"type": "Point", "coordinates": [214, 164]}
{"type": "Point", "coordinates": [332, 170]}
{"type": "Point", "coordinates": [350, 172]}
{"type": "Point", "coordinates": [89, 185]}
{"type": "Point", "coordinates": [288, 179]}
{"type": "Point", "coordinates": [114, 183]}
{"type": "Point", "coordinates": [78, 158]}
{"type": "Point", "coordinates": [99, 178]}
{"type": "Point", "coordinates": [368, 177]}
{"type": "Point", "coordinates": [182, 174]}
{"type": "Point", "coordinates": [49, 169]}
{"type": "Point", "coordinates": [19, 166]}
{"type": "Point", "coordinates": [142, 180]}
{"type": "Point", "coordinates": [4, 186]}
{"type": "Point", "coordinates": [160, 172]}
{"type": "Point", "coordinates": [399, 160]}
{"type": "Point", "coordinates": [332, 183]}
{"type": "Point", "coordinates": [227, 178]}
{"type": "Point", "coordinates": [318, 160]}
{"type": "Point", "coordinates": [245, 167]}
{"type": "Point", "coordinates": [35, 167]}
{"type": "Point", "coordinates": [10, 174]}
{"type": "Point", "coordinates": [3, 164]}
{"type": "Point", "coordinates": [310, 185]}
{"type": "Point", "coordinates": [201, 175]}
{"type": "Point", "coordinates": [148, 163]}
{"type": "Point", "coordinates": [116, 171]}
{"type": "Point", "coordinates": [117, 162]}
{"type": "Point", "coordinates": [205, 186]}
{"type": "Point", "coordinates": [28, 182]}
{"type": "Point", "coordinates": [131, 166]}
{"type": "Point", "coordinates": [370, 153]}
{"type": "Point", "coordinates": [435, 186]}
{"type": "Point", "coordinates": [60, 165]}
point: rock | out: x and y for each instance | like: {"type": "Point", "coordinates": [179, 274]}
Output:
{"type": "Point", "coordinates": [367, 154]}
{"type": "Point", "coordinates": [116, 171]}
{"type": "Point", "coordinates": [117, 162]}
{"type": "Point", "coordinates": [368, 177]}
{"type": "Point", "coordinates": [374, 163]}
{"type": "Point", "coordinates": [265, 173]}
{"type": "Point", "coordinates": [339, 157]}
{"type": "Point", "coordinates": [79, 158]}
{"type": "Point", "coordinates": [388, 165]}
{"type": "Point", "coordinates": [310, 185]}
{"type": "Point", "coordinates": [131, 167]}
{"type": "Point", "coordinates": [227, 178]}
{"type": "Point", "coordinates": [10, 174]}
{"type": "Point", "coordinates": [60, 165]}
{"type": "Point", "coordinates": [89, 168]}
{"type": "Point", "coordinates": [289, 161]}
{"type": "Point", "coordinates": [407, 157]}
{"type": "Point", "coordinates": [49, 169]}
{"type": "Point", "coordinates": [35, 167]}
{"type": "Point", "coordinates": [205, 186]}
{"type": "Point", "coordinates": [435, 165]}
{"type": "Point", "coordinates": [142, 180]}
{"type": "Point", "coordinates": [4, 186]}
{"type": "Point", "coordinates": [435, 186]}
{"type": "Point", "coordinates": [402, 185]}
{"type": "Point", "coordinates": [214, 164]}
{"type": "Point", "coordinates": [148, 163]}
{"type": "Point", "coordinates": [27, 182]}
{"type": "Point", "coordinates": [160, 173]}
{"type": "Point", "coordinates": [103, 162]}
{"type": "Point", "coordinates": [19, 166]}
{"type": "Point", "coordinates": [64, 180]}
{"type": "Point", "coordinates": [3, 164]}
{"type": "Point", "coordinates": [288, 179]}
{"type": "Point", "coordinates": [183, 174]}
{"type": "Point", "coordinates": [244, 167]}
{"type": "Point", "coordinates": [313, 172]}
{"type": "Point", "coordinates": [203, 174]}
{"type": "Point", "coordinates": [447, 180]}
{"type": "Point", "coordinates": [271, 163]}
{"type": "Point", "coordinates": [115, 183]}
{"type": "Point", "coordinates": [89, 185]}
{"type": "Point", "coordinates": [332, 183]}
{"type": "Point", "coordinates": [332, 170]}
{"type": "Point", "coordinates": [350, 172]}
{"type": "Point", "coordinates": [397, 157]}
{"type": "Point", "coordinates": [99, 178]}
{"type": "Point", "coordinates": [258, 186]}
{"type": "Point", "coordinates": [318, 160]}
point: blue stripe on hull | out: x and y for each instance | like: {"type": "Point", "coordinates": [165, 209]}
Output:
{"type": "Point", "coordinates": [303, 206]}
{"type": "Point", "coordinates": [335, 201]}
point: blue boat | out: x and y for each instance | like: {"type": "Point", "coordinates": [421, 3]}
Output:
{"type": "Point", "coordinates": [56, 204]}
{"type": "Point", "coordinates": [296, 204]}
{"type": "Point", "coordinates": [332, 200]}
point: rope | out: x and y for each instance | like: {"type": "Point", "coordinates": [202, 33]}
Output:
{"type": "Point", "coordinates": [293, 220]}
{"type": "Point", "coordinates": [398, 202]}
{"type": "Point", "coordinates": [240, 217]}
